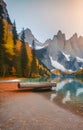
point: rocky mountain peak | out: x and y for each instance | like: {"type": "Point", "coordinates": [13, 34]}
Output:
{"type": "Point", "coordinates": [75, 36]}
{"type": "Point", "coordinates": [28, 31]}
{"type": "Point", "coordinates": [74, 39]}
{"type": "Point", "coordinates": [29, 37]}
{"type": "Point", "coordinates": [60, 35]}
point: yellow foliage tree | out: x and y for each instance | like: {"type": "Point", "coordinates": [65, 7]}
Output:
{"type": "Point", "coordinates": [8, 38]}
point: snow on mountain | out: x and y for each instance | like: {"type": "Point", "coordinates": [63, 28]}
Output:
{"type": "Point", "coordinates": [57, 65]}
{"type": "Point", "coordinates": [60, 60]}
{"type": "Point", "coordinates": [67, 56]}
{"type": "Point", "coordinates": [79, 59]}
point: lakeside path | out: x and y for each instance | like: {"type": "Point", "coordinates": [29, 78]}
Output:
{"type": "Point", "coordinates": [24, 110]}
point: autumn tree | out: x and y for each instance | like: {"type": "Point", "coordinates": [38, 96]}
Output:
{"type": "Point", "coordinates": [6, 45]}
{"type": "Point", "coordinates": [24, 57]}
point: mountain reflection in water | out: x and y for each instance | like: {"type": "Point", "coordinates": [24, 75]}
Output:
{"type": "Point", "coordinates": [71, 89]}
{"type": "Point", "coordinates": [69, 94]}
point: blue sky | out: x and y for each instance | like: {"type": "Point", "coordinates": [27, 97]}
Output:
{"type": "Point", "coordinates": [46, 17]}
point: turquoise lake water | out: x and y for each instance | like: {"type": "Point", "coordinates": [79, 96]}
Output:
{"type": "Point", "coordinates": [71, 89]}
{"type": "Point", "coordinates": [69, 94]}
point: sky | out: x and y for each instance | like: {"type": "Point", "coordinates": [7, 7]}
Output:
{"type": "Point", "coordinates": [45, 17]}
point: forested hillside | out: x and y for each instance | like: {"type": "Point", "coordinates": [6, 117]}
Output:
{"type": "Point", "coordinates": [16, 57]}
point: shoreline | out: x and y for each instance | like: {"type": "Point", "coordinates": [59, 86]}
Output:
{"type": "Point", "coordinates": [10, 88]}
{"type": "Point", "coordinates": [17, 106]}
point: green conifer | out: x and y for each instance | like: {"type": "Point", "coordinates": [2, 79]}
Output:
{"type": "Point", "coordinates": [24, 56]}
{"type": "Point", "coordinates": [14, 31]}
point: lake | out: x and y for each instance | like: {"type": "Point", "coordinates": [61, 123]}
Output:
{"type": "Point", "coordinates": [68, 94]}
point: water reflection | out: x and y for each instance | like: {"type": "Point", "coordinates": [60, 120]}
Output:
{"type": "Point", "coordinates": [68, 93]}
{"type": "Point", "coordinates": [66, 98]}
{"type": "Point", "coordinates": [71, 89]}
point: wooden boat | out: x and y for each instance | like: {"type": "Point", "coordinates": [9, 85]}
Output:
{"type": "Point", "coordinates": [36, 85]}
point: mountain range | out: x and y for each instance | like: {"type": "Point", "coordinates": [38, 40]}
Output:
{"type": "Point", "coordinates": [59, 53]}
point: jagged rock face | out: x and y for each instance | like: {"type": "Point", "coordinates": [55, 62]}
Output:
{"type": "Point", "coordinates": [56, 44]}
{"type": "Point", "coordinates": [73, 46]}
{"type": "Point", "coordinates": [29, 37]}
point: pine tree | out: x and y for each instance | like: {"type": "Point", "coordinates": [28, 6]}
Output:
{"type": "Point", "coordinates": [24, 56]}
{"type": "Point", "coordinates": [16, 58]}
{"type": "Point", "coordinates": [34, 67]}
{"type": "Point", "coordinates": [8, 18]}
{"type": "Point", "coordinates": [14, 31]}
